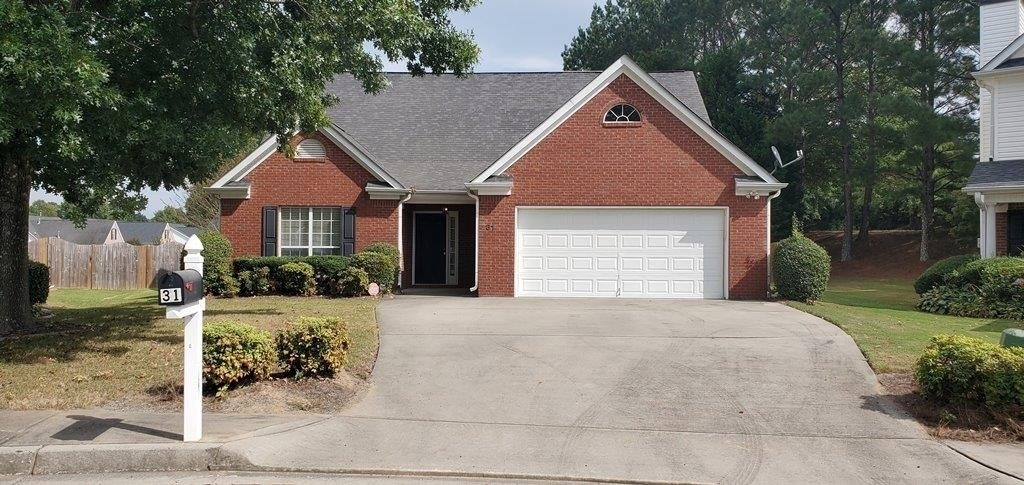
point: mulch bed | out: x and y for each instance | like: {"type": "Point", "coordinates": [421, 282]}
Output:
{"type": "Point", "coordinates": [963, 423]}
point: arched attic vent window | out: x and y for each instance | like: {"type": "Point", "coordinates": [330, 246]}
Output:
{"type": "Point", "coordinates": [622, 113]}
{"type": "Point", "coordinates": [310, 149]}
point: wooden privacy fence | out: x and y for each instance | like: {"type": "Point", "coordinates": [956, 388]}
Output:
{"type": "Point", "coordinates": [104, 267]}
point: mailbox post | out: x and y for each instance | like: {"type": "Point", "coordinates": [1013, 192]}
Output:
{"type": "Point", "coordinates": [182, 293]}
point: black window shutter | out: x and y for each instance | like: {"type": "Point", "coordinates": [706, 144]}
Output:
{"type": "Point", "coordinates": [348, 233]}
{"type": "Point", "coordinates": [270, 231]}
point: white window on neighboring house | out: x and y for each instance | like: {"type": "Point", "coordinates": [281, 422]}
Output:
{"type": "Point", "coordinates": [311, 231]}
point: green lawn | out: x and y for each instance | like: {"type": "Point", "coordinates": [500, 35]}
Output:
{"type": "Point", "coordinates": [879, 314]}
{"type": "Point", "coordinates": [103, 345]}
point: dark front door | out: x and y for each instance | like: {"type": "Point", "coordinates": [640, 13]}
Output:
{"type": "Point", "coordinates": [1015, 233]}
{"type": "Point", "coordinates": [430, 248]}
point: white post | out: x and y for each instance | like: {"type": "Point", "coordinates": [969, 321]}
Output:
{"type": "Point", "coordinates": [990, 230]}
{"type": "Point", "coordinates": [193, 428]}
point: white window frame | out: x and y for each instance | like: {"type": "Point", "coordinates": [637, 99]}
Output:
{"type": "Point", "coordinates": [309, 247]}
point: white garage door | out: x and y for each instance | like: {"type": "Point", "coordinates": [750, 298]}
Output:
{"type": "Point", "coordinates": [631, 253]}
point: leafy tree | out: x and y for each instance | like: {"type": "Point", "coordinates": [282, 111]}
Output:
{"type": "Point", "coordinates": [105, 98]}
{"type": "Point", "coordinates": [122, 207]}
{"type": "Point", "coordinates": [171, 215]}
{"type": "Point", "coordinates": [44, 208]}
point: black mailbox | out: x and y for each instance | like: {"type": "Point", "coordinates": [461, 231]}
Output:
{"type": "Point", "coordinates": [180, 287]}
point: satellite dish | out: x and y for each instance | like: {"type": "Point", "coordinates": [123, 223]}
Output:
{"type": "Point", "coordinates": [778, 159]}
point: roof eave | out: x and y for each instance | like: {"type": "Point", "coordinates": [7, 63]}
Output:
{"type": "Point", "coordinates": [232, 192]}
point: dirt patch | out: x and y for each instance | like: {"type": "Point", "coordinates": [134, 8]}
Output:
{"type": "Point", "coordinates": [886, 254]}
{"type": "Point", "coordinates": [964, 423]}
{"type": "Point", "coordinates": [273, 396]}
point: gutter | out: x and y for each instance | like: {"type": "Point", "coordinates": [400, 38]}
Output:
{"type": "Point", "coordinates": [769, 237]}
{"type": "Point", "coordinates": [476, 243]}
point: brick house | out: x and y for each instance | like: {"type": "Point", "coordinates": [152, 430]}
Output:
{"type": "Point", "coordinates": [594, 184]}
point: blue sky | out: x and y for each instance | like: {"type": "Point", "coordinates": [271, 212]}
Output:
{"type": "Point", "coordinates": [513, 35]}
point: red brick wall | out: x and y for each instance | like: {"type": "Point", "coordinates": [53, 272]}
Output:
{"type": "Point", "coordinates": [337, 182]}
{"type": "Point", "coordinates": [661, 162]}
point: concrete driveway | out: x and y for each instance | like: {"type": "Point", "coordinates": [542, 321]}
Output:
{"type": "Point", "coordinates": [630, 390]}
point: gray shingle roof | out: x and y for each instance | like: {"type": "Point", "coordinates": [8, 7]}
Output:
{"type": "Point", "coordinates": [439, 132]}
{"type": "Point", "coordinates": [94, 232]}
{"type": "Point", "coordinates": [143, 232]}
{"type": "Point", "coordinates": [999, 172]}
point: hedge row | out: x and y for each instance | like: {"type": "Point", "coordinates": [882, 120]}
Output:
{"type": "Point", "coordinates": [962, 370]}
{"type": "Point", "coordinates": [970, 287]}
{"type": "Point", "coordinates": [235, 354]}
{"type": "Point", "coordinates": [300, 276]}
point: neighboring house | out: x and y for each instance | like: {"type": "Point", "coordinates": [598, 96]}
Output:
{"type": "Point", "coordinates": [997, 182]}
{"type": "Point", "coordinates": [593, 184]}
{"type": "Point", "coordinates": [155, 232]}
{"type": "Point", "coordinates": [95, 231]}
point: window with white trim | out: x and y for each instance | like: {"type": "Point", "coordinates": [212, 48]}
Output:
{"type": "Point", "coordinates": [311, 231]}
{"type": "Point", "coordinates": [622, 113]}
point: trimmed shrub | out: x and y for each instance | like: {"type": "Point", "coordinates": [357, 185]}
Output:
{"type": "Point", "coordinates": [979, 271]}
{"type": "Point", "coordinates": [379, 267]}
{"type": "Point", "coordinates": [800, 268]}
{"type": "Point", "coordinates": [235, 354]}
{"type": "Point", "coordinates": [256, 262]}
{"type": "Point", "coordinates": [38, 282]}
{"type": "Point", "coordinates": [218, 281]}
{"type": "Point", "coordinates": [353, 282]}
{"type": "Point", "coordinates": [327, 271]}
{"type": "Point", "coordinates": [313, 347]}
{"type": "Point", "coordinates": [936, 274]}
{"type": "Point", "coordinates": [216, 246]}
{"type": "Point", "coordinates": [296, 279]}
{"type": "Point", "coordinates": [985, 288]}
{"type": "Point", "coordinates": [254, 282]}
{"type": "Point", "coordinates": [386, 249]}
{"type": "Point", "coordinates": [963, 370]}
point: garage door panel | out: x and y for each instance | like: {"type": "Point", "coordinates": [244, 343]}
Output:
{"type": "Point", "coordinates": [649, 253]}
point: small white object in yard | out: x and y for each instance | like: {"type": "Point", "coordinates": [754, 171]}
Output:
{"type": "Point", "coordinates": [373, 289]}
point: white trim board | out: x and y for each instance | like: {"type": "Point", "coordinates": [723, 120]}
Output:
{"type": "Point", "coordinates": [269, 146]}
{"type": "Point", "coordinates": [625, 65]}
{"type": "Point", "coordinates": [1003, 55]}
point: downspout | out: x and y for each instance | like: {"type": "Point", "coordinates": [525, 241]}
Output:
{"type": "Point", "coordinates": [476, 243]}
{"type": "Point", "coordinates": [401, 246]}
{"type": "Point", "coordinates": [769, 237]}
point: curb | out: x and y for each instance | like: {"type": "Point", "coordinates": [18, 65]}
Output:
{"type": "Point", "coordinates": [112, 458]}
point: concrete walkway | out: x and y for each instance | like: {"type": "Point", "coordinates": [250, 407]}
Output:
{"type": "Point", "coordinates": [642, 391]}
{"type": "Point", "coordinates": [498, 389]}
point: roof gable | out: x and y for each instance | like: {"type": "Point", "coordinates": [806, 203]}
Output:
{"type": "Point", "coordinates": [625, 66]}
{"type": "Point", "coordinates": [1006, 57]}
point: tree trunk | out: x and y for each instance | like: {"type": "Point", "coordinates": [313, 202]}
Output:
{"type": "Point", "coordinates": [872, 154]}
{"type": "Point", "coordinates": [15, 187]}
{"type": "Point", "coordinates": [927, 180]}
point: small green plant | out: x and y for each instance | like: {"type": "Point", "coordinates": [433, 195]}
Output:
{"type": "Point", "coordinates": [234, 354]}
{"type": "Point", "coordinates": [936, 274]}
{"type": "Point", "coordinates": [296, 279]}
{"type": "Point", "coordinates": [255, 282]}
{"type": "Point", "coordinates": [379, 267]}
{"type": "Point", "coordinates": [963, 370]}
{"type": "Point", "coordinates": [800, 268]}
{"type": "Point", "coordinates": [313, 347]}
{"type": "Point", "coordinates": [38, 282]}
